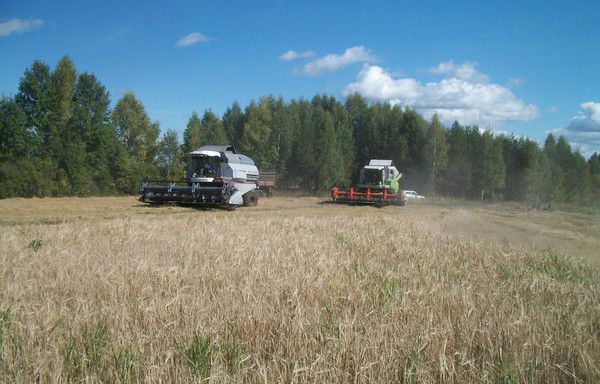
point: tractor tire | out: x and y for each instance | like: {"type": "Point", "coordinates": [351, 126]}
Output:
{"type": "Point", "coordinates": [250, 199]}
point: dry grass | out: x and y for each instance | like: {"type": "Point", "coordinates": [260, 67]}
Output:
{"type": "Point", "coordinates": [105, 290]}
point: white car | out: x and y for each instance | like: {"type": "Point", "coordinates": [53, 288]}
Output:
{"type": "Point", "coordinates": [412, 195]}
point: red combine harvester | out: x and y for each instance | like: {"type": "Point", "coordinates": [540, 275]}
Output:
{"type": "Point", "coordinates": [378, 185]}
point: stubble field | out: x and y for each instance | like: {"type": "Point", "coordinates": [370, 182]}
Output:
{"type": "Point", "coordinates": [109, 290]}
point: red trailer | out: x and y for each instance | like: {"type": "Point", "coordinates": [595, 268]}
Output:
{"type": "Point", "coordinates": [267, 182]}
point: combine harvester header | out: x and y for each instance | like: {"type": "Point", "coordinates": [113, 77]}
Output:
{"type": "Point", "coordinates": [378, 185]}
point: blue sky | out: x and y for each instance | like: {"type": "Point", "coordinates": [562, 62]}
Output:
{"type": "Point", "coordinates": [526, 68]}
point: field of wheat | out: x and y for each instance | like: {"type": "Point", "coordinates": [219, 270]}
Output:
{"type": "Point", "coordinates": [108, 290]}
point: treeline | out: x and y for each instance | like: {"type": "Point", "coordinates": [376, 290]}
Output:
{"type": "Point", "coordinates": [59, 136]}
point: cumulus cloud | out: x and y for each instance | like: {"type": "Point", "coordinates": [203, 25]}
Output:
{"type": "Point", "coordinates": [292, 55]}
{"type": "Point", "coordinates": [15, 26]}
{"type": "Point", "coordinates": [191, 39]}
{"type": "Point", "coordinates": [464, 94]}
{"type": "Point", "coordinates": [465, 71]}
{"type": "Point", "coordinates": [584, 129]}
{"type": "Point", "coordinates": [333, 62]}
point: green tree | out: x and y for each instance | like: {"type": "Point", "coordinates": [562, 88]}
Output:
{"type": "Point", "coordinates": [16, 165]}
{"type": "Point", "coordinates": [552, 188]}
{"type": "Point", "coordinates": [15, 137]}
{"type": "Point", "coordinates": [577, 179]}
{"type": "Point", "coordinates": [62, 145]}
{"type": "Point", "coordinates": [303, 159]}
{"type": "Point", "coordinates": [280, 140]}
{"type": "Point", "coordinates": [192, 136]}
{"type": "Point", "coordinates": [257, 133]}
{"type": "Point", "coordinates": [397, 145]}
{"type": "Point", "coordinates": [459, 173]}
{"type": "Point", "coordinates": [521, 158]}
{"type": "Point", "coordinates": [134, 129]}
{"type": "Point", "coordinates": [570, 170]}
{"type": "Point", "coordinates": [345, 143]}
{"type": "Point", "coordinates": [213, 132]}
{"type": "Point", "coordinates": [328, 160]}
{"type": "Point", "coordinates": [493, 170]}
{"type": "Point", "coordinates": [594, 172]}
{"type": "Point", "coordinates": [551, 180]}
{"type": "Point", "coordinates": [45, 105]}
{"type": "Point", "coordinates": [233, 123]}
{"type": "Point", "coordinates": [90, 124]}
{"type": "Point", "coordinates": [529, 166]}
{"type": "Point", "coordinates": [138, 136]}
{"type": "Point", "coordinates": [32, 97]}
{"type": "Point", "coordinates": [414, 167]}
{"type": "Point", "coordinates": [435, 153]}
{"type": "Point", "coordinates": [28, 177]}
{"type": "Point", "coordinates": [169, 157]}
{"type": "Point", "coordinates": [360, 116]}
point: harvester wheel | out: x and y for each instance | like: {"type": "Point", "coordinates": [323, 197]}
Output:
{"type": "Point", "coordinates": [250, 199]}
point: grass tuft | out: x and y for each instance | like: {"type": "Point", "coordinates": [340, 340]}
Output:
{"type": "Point", "coordinates": [125, 362]}
{"type": "Point", "coordinates": [5, 320]}
{"type": "Point", "coordinates": [198, 355]}
{"type": "Point", "coordinates": [232, 352]}
{"type": "Point", "coordinates": [35, 244]}
{"type": "Point", "coordinates": [84, 353]}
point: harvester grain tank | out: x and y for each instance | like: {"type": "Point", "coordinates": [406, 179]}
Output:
{"type": "Point", "coordinates": [379, 185]}
{"type": "Point", "coordinates": [215, 176]}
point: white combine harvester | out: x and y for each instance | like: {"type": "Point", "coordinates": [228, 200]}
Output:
{"type": "Point", "coordinates": [215, 176]}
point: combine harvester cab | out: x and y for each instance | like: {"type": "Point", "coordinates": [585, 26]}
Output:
{"type": "Point", "coordinates": [215, 176]}
{"type": "Point", "coordinates": [378, 185]}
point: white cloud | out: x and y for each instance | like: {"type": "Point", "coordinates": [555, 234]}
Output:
{"type": "Point", "coordinates": [553, 109]}
{"type": "Point", "coordinates": [464, 94]}
{"type": "Point", "coordinates": [584, 129]}
{"type": "Point", "coordinates": [191, 39]}
{"type": "Point", "coordinates": [292, 55]}
{"type": "Point", "coordinates": [15, 26]}
{"type": "Point", "coordinates": [465, 71]}
{"type": "Point", "coordinates": [333, 62]}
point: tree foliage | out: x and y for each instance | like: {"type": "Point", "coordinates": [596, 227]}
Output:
{"type": "Point", "coordinates": [60, 136]}
{"type": "Point", "coordinates": [192, 136]}
{"type": "Point", "coordinates": [435, 153]}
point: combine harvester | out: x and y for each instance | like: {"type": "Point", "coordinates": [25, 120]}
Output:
{"type": "Point", "coordinates": [215, 176]}
{"type": "Point", "coordinates": [378, 185]}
